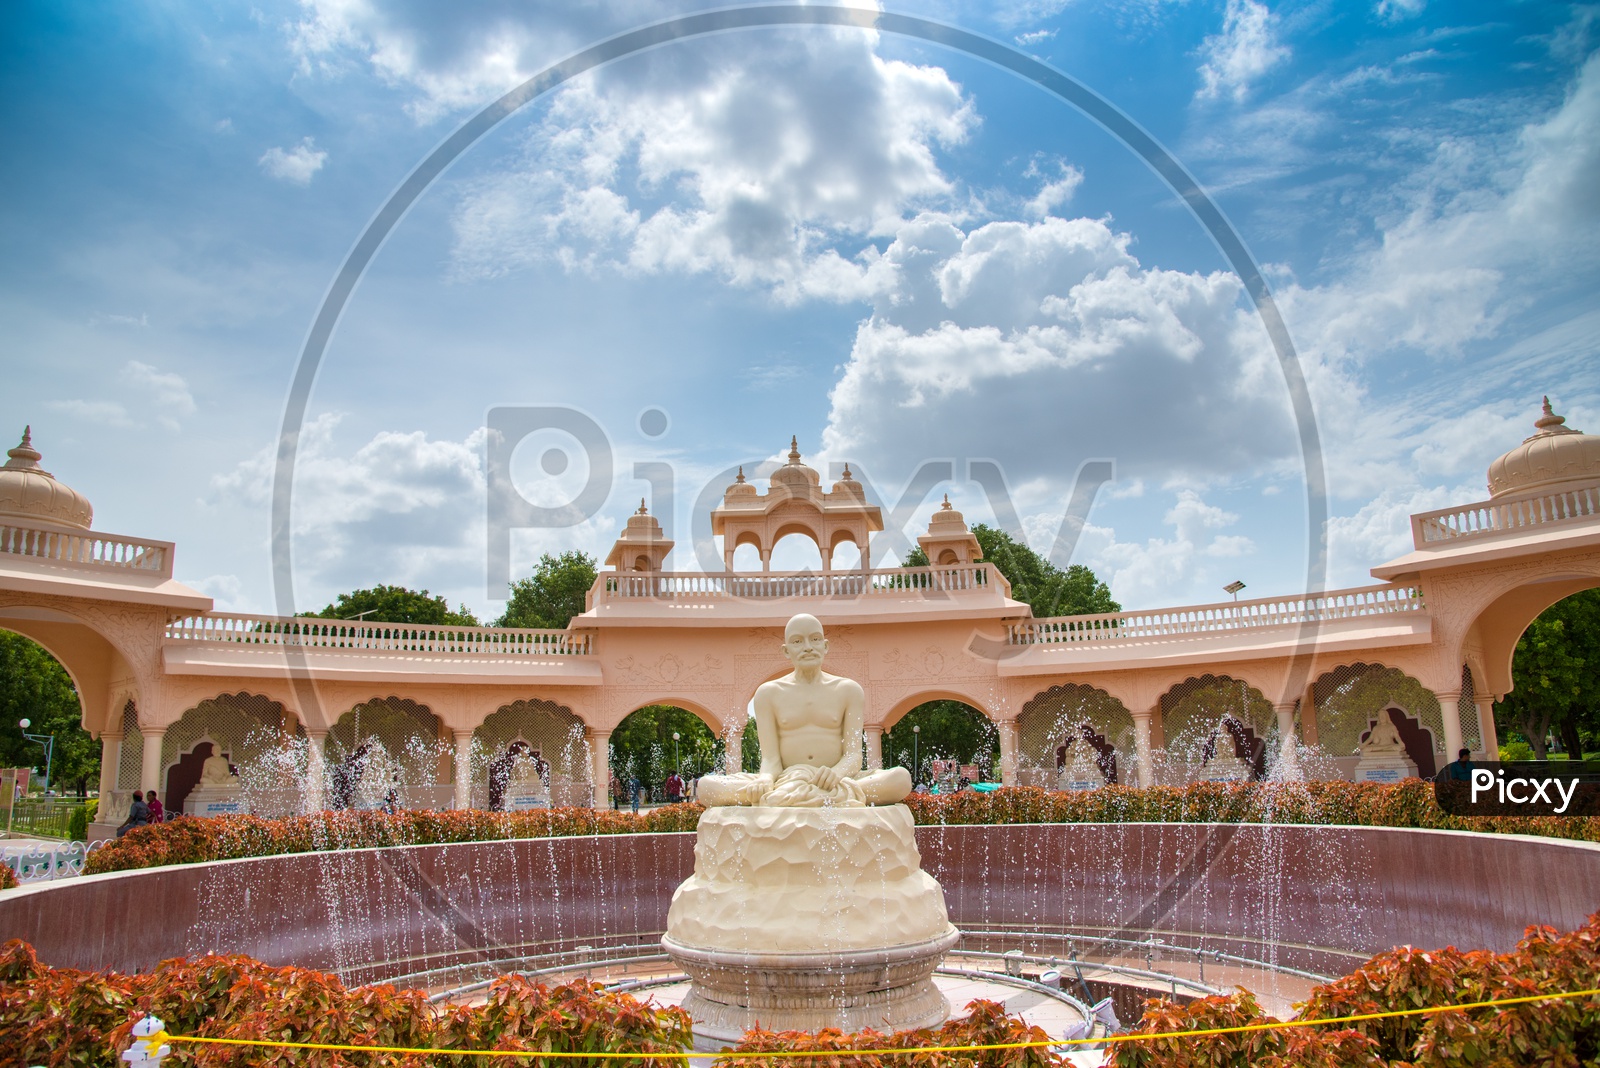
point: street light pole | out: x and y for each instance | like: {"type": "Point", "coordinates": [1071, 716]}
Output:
{"type": "Point", "coordinates": [677, 761]}
{"type": "Point", "coordinates": [916, 764]}
{"type": "Point", "coordinates": [46, 740]}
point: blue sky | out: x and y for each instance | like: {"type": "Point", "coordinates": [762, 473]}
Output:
{"type": "Point", "coordinates": [890, 250]}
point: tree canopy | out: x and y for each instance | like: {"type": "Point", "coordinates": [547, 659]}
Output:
{"type": "Point", "coordinates": [950, 731]}
{"type": "Point", "coordinates": [553, 594]}
{"type": "Point", "coordinates": [1555, 675]}
{"type": "Point", "coordinates": [396, 604]}
{"type": "Point", "coordinates": [1035, 581]}
{"type": "Point", "coordinates": [34, 686]}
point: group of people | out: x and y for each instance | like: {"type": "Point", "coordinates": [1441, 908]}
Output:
{"type": "Point", "coordinates": [674, 788]}
{"type": "Point", "coordinates": [145, 809]}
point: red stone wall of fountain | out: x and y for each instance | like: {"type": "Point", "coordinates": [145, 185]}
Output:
{"type": "Point", "coordinates": [1318, 898]}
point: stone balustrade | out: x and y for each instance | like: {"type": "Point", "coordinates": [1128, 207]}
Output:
{"type": "Point", "coordinates": [354, 636]}
{"type": "Point", "coordinates": [1387, 599]}
{"type": "Point", "coordinates": [85, 549]}
{"type": "Point", "coordinates": [1486, 518]}
{"type": "Point", "coordinates": [773, 585]}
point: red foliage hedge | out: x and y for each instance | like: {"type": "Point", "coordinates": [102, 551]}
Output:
{"type": "Point", "coordinates": [1407, 804]}
{"type": "Point", "coordinates": [62, 1017]}
{"type": "Point", "coordinates": [8, 878]}
{"type": "Point", "coordinates": [1552, 1033]}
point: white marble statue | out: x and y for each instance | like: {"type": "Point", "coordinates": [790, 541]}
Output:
{"type": "Point", "coordinates": [1384, 737]}
{"type": "Point", "coordinates": [1383, 754]}
{"type": "Point", "coordinates": [217, 773]}
{"type": "Point", "coordinates": [1081, 768]}
{"type": "Point", "coordinates": [809, 723]}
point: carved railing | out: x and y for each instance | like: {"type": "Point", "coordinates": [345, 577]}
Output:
{"type": "Point", "coordinates": [85, 549]}
{"type": "Point", "coordinates": [773, 585]}
{"type": "Point", "coordinates": [1209, 619]}
{"type": "Point", "coordinates": [1502, 517]}
{"type": "Point", "coordinates": [353, 636]}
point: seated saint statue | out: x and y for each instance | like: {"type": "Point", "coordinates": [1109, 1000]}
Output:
{"type": "Point", "coordinates": [216, 771]}
{"type": "Point", "coordinates": [810, 725]}
{"type": "Point", "coordinates": [1384, 738]}
{"type": "Point", "coordinates": [527, 775]}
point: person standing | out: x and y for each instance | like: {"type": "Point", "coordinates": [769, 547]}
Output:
{"type": "Point", "coordinates": [158, 814]}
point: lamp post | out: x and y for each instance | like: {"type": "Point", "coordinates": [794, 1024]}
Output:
{"type": "Point", "coordinates": [916, 765]}
{"type": "Point", "coordinates": [46, 740]}
{"type": "Point", "coordinates": [677, 761]}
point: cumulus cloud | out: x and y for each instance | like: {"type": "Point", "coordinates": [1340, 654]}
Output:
{"type": "Point", "coordinates": [768, 170]}
{"type": "Point", "coordinates": [401, 508]}
{"type": "Point", "coordinates": [1246, 49]}
{"type": "Point", "coordinates": [1043, 344]}
{"type": "Point", "coordinates": [295, 165]}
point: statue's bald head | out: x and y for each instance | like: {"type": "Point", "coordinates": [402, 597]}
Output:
{"type": "Point", "coordinates": [803, 642]}
{"type": "Point", "coordinates": [802, 624]}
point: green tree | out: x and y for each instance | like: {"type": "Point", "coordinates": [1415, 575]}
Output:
{"type": "Point", "coordinates": [1555, 675]}
{"type": "Point", "coordinates": [642, 746]}
{"type": "Point", "coordinates": [950, 730]}
{"type": "Point", "coordinates": [555, 592]}
{"type": "Point", "coordinates": [1035, 581]}
{"type": "Point", "coordinates": [34, 686]}
{"type": "Point", "coordinates": [396, 604]}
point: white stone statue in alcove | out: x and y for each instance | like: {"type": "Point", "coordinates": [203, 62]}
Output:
{"type": "Point", "coordinates": [1383, 753]}
{"type": "Point", "coordinates": [218, 792]}
{"type": "Point", "coordinates": [1081, 768]}
{"type": "Point", "coordinates": [1225, 764]}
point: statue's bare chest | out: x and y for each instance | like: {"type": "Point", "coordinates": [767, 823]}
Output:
{"type": "Point", "coordinates": [821, 705]}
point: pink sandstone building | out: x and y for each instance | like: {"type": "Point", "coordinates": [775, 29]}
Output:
{"type": "Point", "coordinates": [1290, 685]}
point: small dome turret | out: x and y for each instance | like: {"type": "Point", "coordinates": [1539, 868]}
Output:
{"type": "Point", "coordinates": [798, 478]}
{"type": "Point", "coordinates": [28, 491]}
{"type": "Point", "coordinates": [1554, 455]}
{"type": "Point", "coordinates": [848, 486]}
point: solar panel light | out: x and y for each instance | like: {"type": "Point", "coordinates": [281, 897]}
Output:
{"type": "Point", "coordinates": [1234, 587]}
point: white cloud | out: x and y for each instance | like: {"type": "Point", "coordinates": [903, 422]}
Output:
{"type": "Point", "coordinates": [162, 395]}
{"type": "Point", "coordinates": [294, 165]}
{"type": "Point", "coordinates": [106, 413]}
{"type": "Point", "coordinates": [1044, 344]}
{"type": "Point", "coordinates": [1246, 49]}
{"type": "Point", "coordinates": [401, 508]}
{"type": "Point", "coordinates": [1054, 193]}
{"type": "Point", "coordinates": [1399, 10]}
{"type": "Point", "coordinates": [768, 166]}
{"type": "Point", "coordinates": [1033, 37]}
{"type": "Point", "coordinates": [167, 393]}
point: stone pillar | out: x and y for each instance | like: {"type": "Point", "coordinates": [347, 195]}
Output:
{"type": "Point", "coordinates": [463, 769]}
{"type": "Point", "coordinates": [874, 748]}
{"type": "Point", "coordinates": [1288, 751]}
{"type": "Point", "coordinates": [150, 773]}
{"type": "Point", "coordinates": [1450, 711]}
{"type": "Point", "coordinates": [600, 767]}
{"type": "Point", "coordinates": [734, 751]}
{"type": "Point", "coordinates": [316, 789]}
{"type": "Point", "coordinates": [1308, 714]}
{"type": "Point", "coordinates": [1486, 731]}
{"type": "Point", "coordinates": [1158, 731]}
{"type": "Point", "coordinates": [110, 761]}
{"type": "Point", "coordinates": [1143, 752]}
{"type": "Point", "coordinates": [1009, 757]}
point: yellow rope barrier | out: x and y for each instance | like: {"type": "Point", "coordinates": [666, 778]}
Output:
{"type": "Point", "coordinates": [1274, 1025]}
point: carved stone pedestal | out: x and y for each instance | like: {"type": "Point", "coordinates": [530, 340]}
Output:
{"type": "Point", "coordinates": [805, 918]}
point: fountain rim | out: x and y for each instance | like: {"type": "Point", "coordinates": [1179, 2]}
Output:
{"type": "Point", "coordinates": [35, 887]}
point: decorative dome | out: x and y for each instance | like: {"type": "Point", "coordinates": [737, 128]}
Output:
{"type": "Point", "coordinates": [28, 491]}
{"type": "Point", "coordinates": [739, 489]}
{"type": "Point", "coordinates": [795, 476]}
{"type": "Point", "coordinates": [947, 520]}
{"type": "Point", "coordinates": [1554, 455]}
{"type": "Point", "coordinates": [849, 486]}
